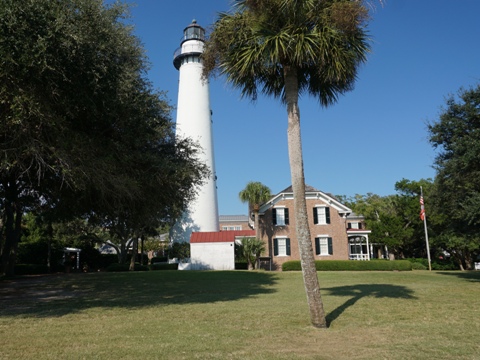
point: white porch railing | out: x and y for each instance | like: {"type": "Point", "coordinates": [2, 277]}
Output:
{"type": "Point", "coordinates": [363, 257]}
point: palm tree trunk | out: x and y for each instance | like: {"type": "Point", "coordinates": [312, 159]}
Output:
{"type": "Point", "coordinates": [256, 219]}
{"type": "Point", "coordinates": [310, 278]}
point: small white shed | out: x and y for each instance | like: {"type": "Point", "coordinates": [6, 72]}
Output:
{"type": "Point", "coordinates": [215, 250]}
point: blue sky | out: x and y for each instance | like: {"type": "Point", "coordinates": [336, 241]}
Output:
{"type": "Point", "coordinates": [422, 51]}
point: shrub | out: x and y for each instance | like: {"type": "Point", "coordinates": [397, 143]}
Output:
{"type": "Point", "coordinates": [140, 267]}
{"type": "Point", "coordinates": [241, 265]}
{"type": "Point", "coordinates": [159, 259]}
{"type": "Point", "coordinates": [418, 266]}
{"type": "Point", "coordinates": [164, 266]}
{"type": "Point", "coordinates": [31, 269]}
{"type": "Point", "coordinates": [444, 264]}
{"type": "Point", "coordinates": [106, 260]}
{"type": "Point", "coordinates": [125, 267]}
{"type": "Point", "coordinates": [350, 265]}
{"type": "Point", "coordinates": [437, 264]}
{"type": "Point", "coordinates": [179, 250]}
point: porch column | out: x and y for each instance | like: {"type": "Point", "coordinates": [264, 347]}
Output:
{"type": "Point", "coordinates": [368, 249]}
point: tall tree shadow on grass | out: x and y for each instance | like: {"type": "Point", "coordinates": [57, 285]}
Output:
{"type": "Point", "coordinates": [473, 276]}
{"type": "Point", "coordinates": [356, 292]}
{"type": "Point", "coordinates": [58, 295]}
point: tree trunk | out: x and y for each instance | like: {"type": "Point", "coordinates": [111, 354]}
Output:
{"type": "Point", "coordinates": [13, 217]}
{"type": "Point", "coordinates": [310, 278]}
{"type": "Point", "coordinates": [49, 245]}
{"type": "Point", "coordinates": [257, 220]}
{"type": "Point", "coordinates": [134, 253]}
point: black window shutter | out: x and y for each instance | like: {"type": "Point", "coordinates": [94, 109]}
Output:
{"type": "Point", "coordinates": [287, 221]}
{"type": "Point", "coordinates": [275, 247]}
{"type": "Point", "coordinates": [274, 216]}
{"type": "Point", "coordinates": [327, 215]}
{"type": "Point", "coordinates": [287, 242]}
{"type": "Point", "coordinates": [315, 216]}
{"type": "Point", "coordinates": [330, 246]}
{"type": "Point", "coordinates": [349, 225]}
{"type": "Point", "coordinates": [317, 246]}
{"type": "Point", "coordinates": [360, 225]}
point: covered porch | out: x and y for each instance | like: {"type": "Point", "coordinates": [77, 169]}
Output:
{"type": "Point", "coordinates": [360, 248]}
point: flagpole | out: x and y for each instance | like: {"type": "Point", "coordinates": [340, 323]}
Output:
{"type": "Point", "coordinates": [423, 216]}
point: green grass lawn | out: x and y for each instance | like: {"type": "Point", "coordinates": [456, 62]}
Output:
{"type": "Point", "coordinates": [240, 315]}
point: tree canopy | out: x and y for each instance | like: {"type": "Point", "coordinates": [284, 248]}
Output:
{"type": "Point", "coordinates": [456, 136]}
{"type": "Point", "coordinates": [82, 130]}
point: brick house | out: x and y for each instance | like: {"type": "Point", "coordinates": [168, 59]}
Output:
{"type": "Point", "coordinates": [337, 233]}
{"type": "Point", "coordinates": [234, 222]}
{"type": "Point", "coordinates": [331, 229]}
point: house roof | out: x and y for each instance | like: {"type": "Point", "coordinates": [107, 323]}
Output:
{"type": "Point", "coordinates": [233, 218]}
{"type": "Point", "coordinates": [310, 193]}
{"type": "Point", "coordinates": [308, 189]}
{"type": "Point", "coordinates": [289, 189]}
{"type": "Point", "coordinates": [219, 236]}
{"type": "Point", "coordinates": [354, 216]}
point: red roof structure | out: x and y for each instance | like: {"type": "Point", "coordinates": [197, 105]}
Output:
{"type": "Point", "coordinates": [219, 236]}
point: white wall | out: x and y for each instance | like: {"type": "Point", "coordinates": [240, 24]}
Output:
{"type": "Point", "coordinates": [212, 256]}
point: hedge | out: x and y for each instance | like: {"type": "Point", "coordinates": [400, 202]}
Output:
{"type": "Point", "coordinates": [30, 269]}
{"type": "Point", "coordinates": [241, 265]}
{"type": "Point", "coordinates": [437, 264]}
{"type": "Point", "coordinates": [164, 266]}
{"type": "Point", "coordinates": [351, 265]}
{"type": "Point", "coordinates": [125, 267]}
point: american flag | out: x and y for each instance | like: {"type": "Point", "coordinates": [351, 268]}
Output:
{"type": "Point", "coordinates": [422, 208]}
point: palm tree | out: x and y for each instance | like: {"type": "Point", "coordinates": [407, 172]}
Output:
{"type": "Point", "coordinates": [285, 48]}
{"type": "Point", "coordinates": [251, 250]}
{"type": "Point", "coordinates": [255, 194]}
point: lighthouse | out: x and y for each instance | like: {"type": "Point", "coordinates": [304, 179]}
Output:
{"type": "Point", "coordinates": [194, 121]}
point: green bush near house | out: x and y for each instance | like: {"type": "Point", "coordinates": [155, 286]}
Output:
{"type": "Point", "coordinates": [349, 265]}
{"type": "Point", "coordinates": [164, 266]}
{"type": "Point", "coordinates": [418, 266]}
{"type": "Point", "coordinates": [437, 264]}
{"type": "Point", "coordinates": [159, 259]}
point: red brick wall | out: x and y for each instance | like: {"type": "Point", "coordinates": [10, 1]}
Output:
{"type": "Point", "coordinates": [336, 230]}
{"type": "Point", "coordinates": [243, 224]}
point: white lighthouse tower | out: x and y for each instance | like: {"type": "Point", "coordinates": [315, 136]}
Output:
{"type": "Point", "coordinates": [194, 120]}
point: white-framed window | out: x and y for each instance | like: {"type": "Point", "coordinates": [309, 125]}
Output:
{"type": "Point", "coordinates": [231, 227]}
{"type": "Point", "coordinates": [355, 225]}
{"type": "Point", "coordinates": [323, 245]}
{"type": "Point", "coordinates": [321, 215]}
{"type": "Point", "coordinates": [281, 246]}
{"type": "Point", "coordinates": [280, 216]}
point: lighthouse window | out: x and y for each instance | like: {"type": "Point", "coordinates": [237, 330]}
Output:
{"type": "Point", "coordinates": [194, 33]}
{"type": "Point", "coordinates": [190, 59]}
